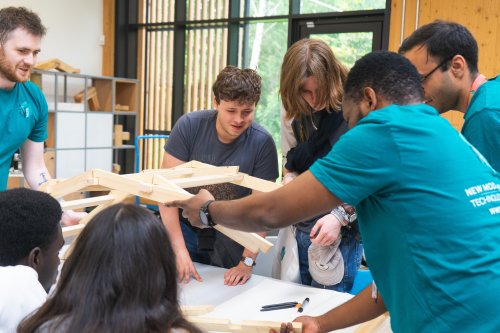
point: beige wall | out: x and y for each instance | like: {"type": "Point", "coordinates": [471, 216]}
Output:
{"type": "Point", "coordinates": [481, 17]}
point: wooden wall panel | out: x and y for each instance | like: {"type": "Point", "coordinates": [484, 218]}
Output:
{"type": "Point", "coordinates": [481, 17]}
{"type": "Point", "coordinates": [108, 31]}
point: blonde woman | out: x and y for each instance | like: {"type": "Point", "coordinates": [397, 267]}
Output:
{"type": "Point", "coordinates": [311, 90]}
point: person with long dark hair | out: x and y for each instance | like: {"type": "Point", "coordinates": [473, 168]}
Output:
{"type": "Point", "coordinates": [120, 277]}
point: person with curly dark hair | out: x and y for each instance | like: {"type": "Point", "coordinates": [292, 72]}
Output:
{"type": "Point", "coordinates": [30, 239]}
{"type": "Point", "coordinates": [225, 136]}
{"type": "Point", "coordinates": [119, 277]}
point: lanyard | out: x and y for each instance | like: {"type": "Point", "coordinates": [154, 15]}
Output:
{"type": "Point", "coordinates": [480, 79]}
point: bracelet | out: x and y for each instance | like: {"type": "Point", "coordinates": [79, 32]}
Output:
{"type": "Point", "coordinates": [341, 216]}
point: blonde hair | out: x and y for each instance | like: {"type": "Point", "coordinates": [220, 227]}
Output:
{"type": "Point", "coordinates": [305, 58]}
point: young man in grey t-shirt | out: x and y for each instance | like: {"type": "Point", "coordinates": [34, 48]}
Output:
{"type": "Point", "coordinates": [226, 136]}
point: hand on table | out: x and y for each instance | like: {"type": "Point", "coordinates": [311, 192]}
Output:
{"type": "Point", "coordinates": [239, 274]}
{"type": "Point", "coordinates": [185, 267]}
{"type": "Point", "coordinates": [191, 207]}
{"type": "Point", "coordinates": [325, 231]}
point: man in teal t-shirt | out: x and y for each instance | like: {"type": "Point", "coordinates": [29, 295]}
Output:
{"type": "Point", "coordinates": [446, 55]}
{"type": "Point", "coordinates": [23, 108]}
{"type": "Point", "coordinates": [482, 121]}
{"type": "Point", "coordinates": [428, 207]}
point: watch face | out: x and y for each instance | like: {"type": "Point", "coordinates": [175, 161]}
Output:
{"type": "Point", "coordinates": [203, 218]}
{"type": "Point", "coordinates": [248, 261]}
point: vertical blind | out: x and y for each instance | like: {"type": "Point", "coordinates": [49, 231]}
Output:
{"type": "Point", "coordinates": [205, 56]}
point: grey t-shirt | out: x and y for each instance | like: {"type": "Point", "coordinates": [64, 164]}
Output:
{"type": "Point", "coordinates": [194, 137]}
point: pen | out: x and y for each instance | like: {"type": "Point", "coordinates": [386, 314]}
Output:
{"type": "Point", "coordinates": [279, 307]}
{"type": "Point", "coordinates": [279, 304]}
{"type": "Point", "coordinates": [301, 306]}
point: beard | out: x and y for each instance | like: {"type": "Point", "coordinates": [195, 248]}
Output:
{"type": "Point", "coordinates": [8, 71]}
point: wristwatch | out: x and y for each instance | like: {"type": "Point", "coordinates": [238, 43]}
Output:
{"type": "Point", "coordinates": [205, 217]}
{"type": "Point", "coordinates": [343, 216]}
{"type": "Point", "coordinates": [247, 261]}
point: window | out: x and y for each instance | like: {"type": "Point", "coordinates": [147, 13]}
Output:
{"type": "Point", "coordinates": [183, 45]}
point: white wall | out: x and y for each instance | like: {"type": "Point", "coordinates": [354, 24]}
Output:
{"type": "Point", "coordinates": [74, 28]}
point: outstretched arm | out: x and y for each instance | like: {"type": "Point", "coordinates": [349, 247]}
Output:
{"type": "Point", "coordinates": [299, 200]}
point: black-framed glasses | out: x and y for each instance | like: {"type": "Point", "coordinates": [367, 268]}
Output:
{"type": "Point", "coordinates": [424, 77]}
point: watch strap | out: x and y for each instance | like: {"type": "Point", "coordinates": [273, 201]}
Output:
{"type": "Point", "coordinates": [243, 259]}
{"type": "Point", "coordinates": [205, 210]}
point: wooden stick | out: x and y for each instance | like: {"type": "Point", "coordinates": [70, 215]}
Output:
{"type": "Point", "coordinates": [70, 185]}
{"type": "Point", "coordinates": [206, 180]}
{"type": "Point", "coordinates": [246, 326]}
{"type": "Point", "coordinates": [87, 202]}
{"type": "Point", "coordinates": [196, 310]}
{"type": "Point", "coordinates": [74, 230]}
{"type": "Point", "coordinates": [56, 64]}
{"type": "Point", "coordinates": [248, 181]}
{"type": "Point", "coordinates": [249, 240]}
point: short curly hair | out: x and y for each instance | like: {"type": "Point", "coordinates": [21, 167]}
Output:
{"type": "Point", "coordinates": [28, 219]}
{"type": "Point", "coordinates": [12, 18]}
{"type": "Point", "coordinates": [235, 84]}
{"type": "Point", "coordinates": [389, 74]}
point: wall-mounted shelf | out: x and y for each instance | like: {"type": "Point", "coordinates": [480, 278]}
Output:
{"type": "Point", "coordinates": [81, 129]}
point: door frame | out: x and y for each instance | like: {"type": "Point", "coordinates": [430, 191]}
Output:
{"type": "Point", "coordinates": [375, 21]}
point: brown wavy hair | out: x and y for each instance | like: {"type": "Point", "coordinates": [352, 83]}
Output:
{"type": "Point", "coordinates": [12, 18]}
{"type": "Point", "coordinates": [235, 84]}
{"type": "Point", "coordinates": [305, 58]}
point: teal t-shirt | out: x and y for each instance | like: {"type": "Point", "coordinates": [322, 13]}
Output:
{"type": "Point", "coordinates": [429, 213]}
{"type": "Point", "coordinates": [23, 115]}
{"type": "Point", "coordinates": [482, 121]}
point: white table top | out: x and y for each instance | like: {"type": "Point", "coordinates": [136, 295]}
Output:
{"type": "Point", "coordinates": [243, 302]}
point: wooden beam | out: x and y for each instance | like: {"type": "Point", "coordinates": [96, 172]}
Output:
{"type": "Point", "coordinates": [189, 171]}
{"type": "Point", "coordinates": [119, 135]}
{"type": "Point", "coordinates": [257, 184]}
{"type": "Point", "coordinates": [108, 30]}
{"type": "Point", "coordinates": [72, 230]}
{"type": "Point", "coordinates": [196, 310]}
{"type": "Point", "coordinates": [56, 64]}
{"type": "Point", "coordinates": [164, 193]}
{"type": "Point", "coordinates": [154, 187]}
{"type": "Point", "coordinates": [206, 180]}
{"type": "Point", "coordinates": [87, 202]}
{"type": "Point", "coordinates": [246, 326]}
{"type": "Point", "coordinates": [92, 98]}
{"type": "Point", "coordinates": [70, 185]}
{"type": "Point", "coordinates": [248, 181]}
{"type": "Point", "coordinates": [249, 240]}
{"type": "Point", "coordinates": [158, 193]}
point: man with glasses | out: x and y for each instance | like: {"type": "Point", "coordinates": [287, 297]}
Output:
{"type": "Point", "coordinates": [446, 55]}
